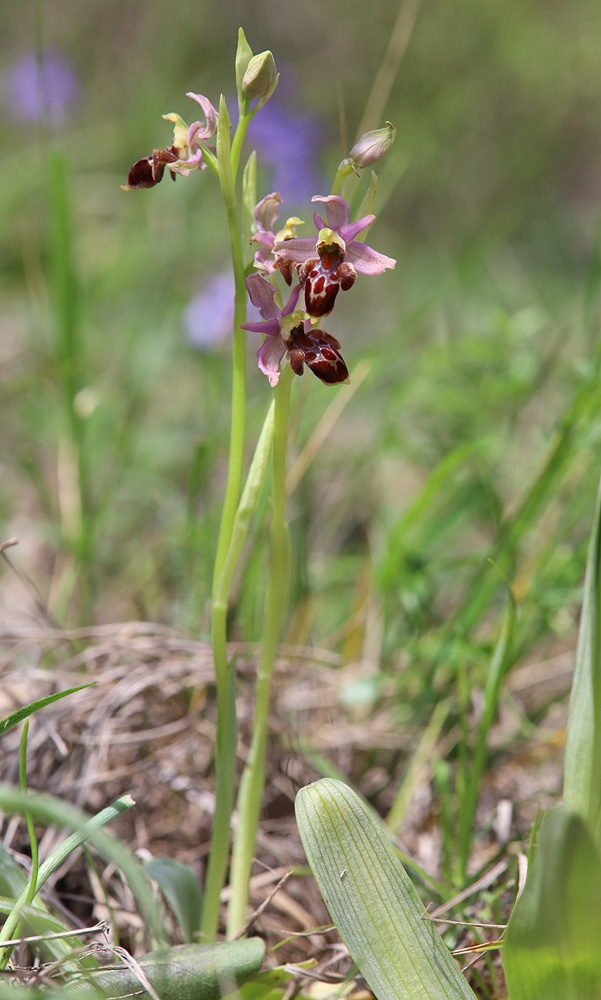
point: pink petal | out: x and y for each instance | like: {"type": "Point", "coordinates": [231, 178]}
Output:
{"type": "Point", "coordinates": [262, 294]}
{"type": "Point", "coordinates": [210, 113]}
{"type": "Point", "coordinates": [264, 260]}
{"type": "Point", "coordinates": [349, 232]}
{"type": "Point", "coordinates": [269, 357]}
{"type": "Point", "coordinates": [265, 239]}
{"type": "Point", "coordinates": [337, 210]}
{"type": "Point", "coordinates": [291, 303]}
{"type": "Point", "coordinates": [270, 326]}
{"type": "Point", "coordinates": [267, 211]}
{"type": "Point", "coordinates": [296, 250]}
{"type": "Point", "coordinates": [366, 260]}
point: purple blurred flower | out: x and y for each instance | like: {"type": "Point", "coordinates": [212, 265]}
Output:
{"type": "Point", "coordinates": [209, 316]}
{"type": "Point", "coordinates": [41, 88]}
{"type": "Point", "coordinates": [288, 142]}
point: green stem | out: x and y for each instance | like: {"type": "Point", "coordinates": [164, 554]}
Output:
{"type": "Point", "coordinates": [228, 159]}
{"type": "Point", "coordinates": [253, 777]}
{"type": "Point", "coordinates": [238, 140]}
{"type": "Point", "coordinates": [225, 769]}
{"type": "Point", "coordinates": [344, 170]}
{"type": "Point", "coordinates": [225, 759]}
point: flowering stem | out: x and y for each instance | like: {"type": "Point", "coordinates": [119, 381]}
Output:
{"type": "Point", "coordinates": [226, 721]}
{"type": "Point", "coordinates": [238, 139]}
{"type": "Point", "coordinates": [344, 171]}
{"type": "Point", "coordinates": [225, 763]}
{"type": "Point", "coordinates": [253, 776]}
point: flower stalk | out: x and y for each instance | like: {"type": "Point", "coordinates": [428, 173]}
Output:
{"type": "Point", "coordinates": [253, 777]}
{"type": "Point", "coordinates": [225, 670]}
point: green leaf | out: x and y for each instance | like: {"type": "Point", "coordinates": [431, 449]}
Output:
{"type": "Point", "coordinates": [249, 200]}
{"type": "Point", "coordinates": [10, 991]}
{"type": "Point", "coordinates": [582, 774]}
{"type": "Point", "coordinates": [186, 972]}
{"type": "Point", "coordinates": [369, 201]}
{"type": "Point", "coordinates": [35, 706]}
{"type": "Point", "coordinates": [36, 917]}
{"type": "Point", "coordinates": [552, 946]}
{"type": "Point", "coordinates": [12, 877]}
{"type": "Point", "coordinates": [272, 984]}
{"type": "Point", "coordinates": [371, 899]}
{"type": "Point", "coordinates": [46, 809]}
{"type": "Point", "coordinates": [181, 889]}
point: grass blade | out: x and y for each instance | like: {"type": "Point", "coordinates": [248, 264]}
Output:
{"type": "Point", "coordinates": [46, 809]}
{"type": "Point", "coordinates": [500, 663]}
{"type": "Point", "coordinates": [23, 713]}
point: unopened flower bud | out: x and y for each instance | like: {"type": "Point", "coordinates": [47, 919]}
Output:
{"type": "Point", "coordinates": [260, 77]}
{"type": "Point", "coordinates": [372, 146]}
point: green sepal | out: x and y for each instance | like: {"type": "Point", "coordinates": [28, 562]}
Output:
{"type": "Point", "coordinates": [244, 54]}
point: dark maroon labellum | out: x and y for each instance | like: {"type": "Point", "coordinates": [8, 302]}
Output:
{"type": "Point", "coordinates": [148, 171]}
{"type": "Point", "coordinates": [322, 282]}
{"type": "Point", "coordinates": [320, 352]}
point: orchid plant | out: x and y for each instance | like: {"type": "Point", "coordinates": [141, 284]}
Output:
{"type": "Point", "coordinates": [315, 269]}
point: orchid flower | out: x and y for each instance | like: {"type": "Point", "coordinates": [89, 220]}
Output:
{"type": "Point", "coordinates": [266, 213]}
{"type": "Point", "coordinates": [184, 154]}
{"type": "Point", "coordinates": [289, 333]}
{"type": "Point", "coordinates": [332, 259]}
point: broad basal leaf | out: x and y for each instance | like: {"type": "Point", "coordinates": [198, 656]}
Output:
{"type": "Point", "coordinates": [552, 947]}
{"type": "Point", "coordinates": [582, 774]}
{"type": "Point", "coordinates": [187, 972]}
{"type": "Point", "coordinates": [371, 899]}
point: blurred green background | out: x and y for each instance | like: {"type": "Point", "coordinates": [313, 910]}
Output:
{"type": "Point", "coordinates": [482, 344]}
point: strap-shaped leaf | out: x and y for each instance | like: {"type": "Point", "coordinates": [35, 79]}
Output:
{"type": "Point", "coordinates": [186, 972]}
{"type": "Point", "coordinates": [371, 899]}
{"type": "Point", "coordinates": [181, 889]}
{"type": "Point", "coordinates": [23, 713]}
{"type": "Point", "coordinates": [582, 773]}
{"type": "Point", "coordinates": [552, 946]}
